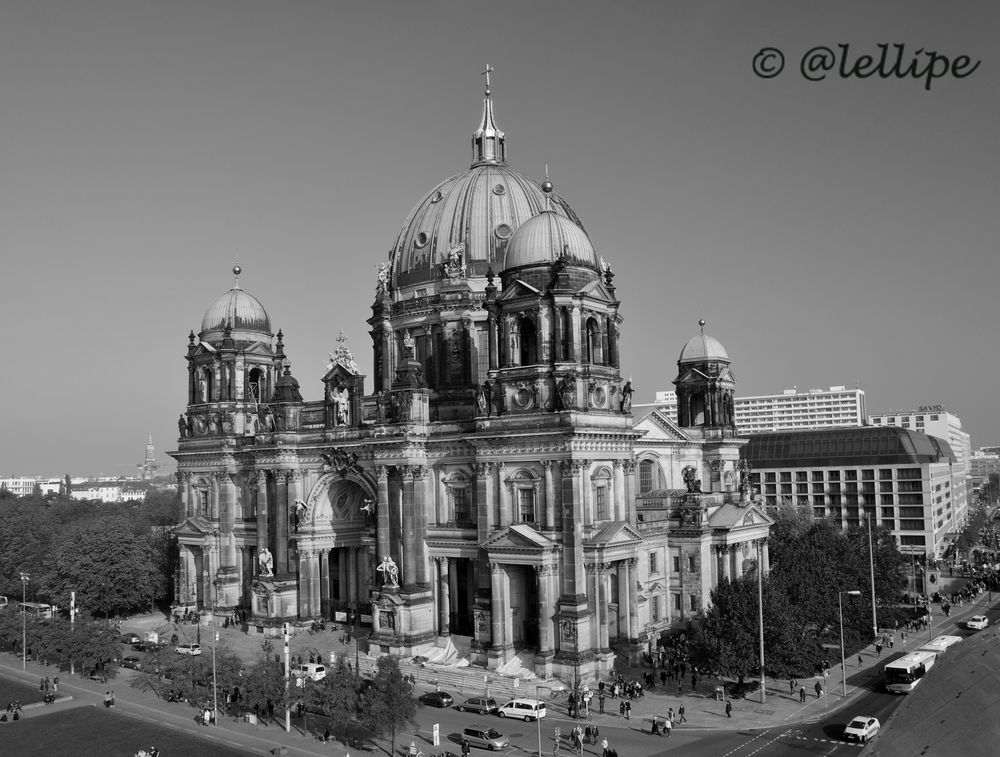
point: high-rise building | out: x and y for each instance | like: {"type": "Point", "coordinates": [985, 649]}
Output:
{"type": "Point", "coordinates": [482, 486]}
{"type": "Point", "coordinates": [791, 410]}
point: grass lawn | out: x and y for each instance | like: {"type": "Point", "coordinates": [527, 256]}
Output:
{"type": "Point", "coordinates": [11, 690]}
{"type": "Point", "coordinates": [86, 731]}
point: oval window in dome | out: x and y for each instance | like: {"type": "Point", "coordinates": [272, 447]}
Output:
{"type": "Point", "coordinates": [436, 197]}
{"type": "Point", "coordinates": [499, 189]}
{"type": "Point", "coordinates": [502, 231]}
{"type": "Point", "coordinates": [421, 240]}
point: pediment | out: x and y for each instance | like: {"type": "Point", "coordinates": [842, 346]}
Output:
{"type": "Point", "coordinates": [659, 426]}
{"type": "Point", "coordinates": [518, 538]}
{"type": "Point", "coordinates": [196, 527]}
{"type": "Point", "coordinates": [339, 371]}
{"type": "Point", "coordinates": [203, 348]}
{"type": "Point", "coordinates": [732, 517]}
{"type": "Point", "coordinates": [597, 290]}
{"type": "Point", "coordinates": [614, 534]}
{"type": "Point", "coordinates": [517, 289]}
{"type": "Point", "coordinates": [259, 348]}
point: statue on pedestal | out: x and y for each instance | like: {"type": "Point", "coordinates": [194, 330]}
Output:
{"type": "Point", "coordinates": [389, 571]}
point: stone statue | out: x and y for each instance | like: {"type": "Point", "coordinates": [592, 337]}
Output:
{"type": "Point", "coordinates": [380, 407]}
{"type": "Point", "coordinates": [302, 511]}
{"type": "Point", "coordinates": [627, 395]}
{"type": "Point", "coordinates": [690, 479]}
{"type": "Point", "coordinates": [405, 405]}
{"type": "Point", "coordinates": [227, 424]}
{"type": "Point", "coordinates": [408, 345]}
{"type": "Point", "coordinates": [341, 404]}
{"type": "Point", "coordinates": [389, 571]}
{"type": "Point", "coordinates": [481, 400]}
{"type": "Point", "coordinates": [382, 285]}
{"type": "Point", "coordinates": [182, 426]}
{"type": "Point", "coordinates": [266, 562]}
{"type": "Point", "coordinates": [203, 387]}
{"type": "Point", "coordinates": [567, 393]}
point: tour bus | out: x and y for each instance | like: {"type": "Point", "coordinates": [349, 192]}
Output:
{"type": "Point", "coordinates": [36, 609]}
{"type": "Point", "coordinates": [939, 644]}
{"type": "Point", "coordinates": [903, 675]}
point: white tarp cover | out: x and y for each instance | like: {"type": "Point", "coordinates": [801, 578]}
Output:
{"type": "Point", "coordinates": [520, 666]}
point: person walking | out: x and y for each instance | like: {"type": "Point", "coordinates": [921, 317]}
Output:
{"type": "Point", "coordinates": [729, 708]}
{"type": "Point", "coordinates": [819, 689]}
{"type": "Point", "coordinates": [802, 693]}
{"type": "Point", "coordinates": [600, 700]}
{"type": "Point", "coordinates": [667, 726]}
{"type": "Point", "coordinates": [680, 714]}
{"type": "Point", "coordinates": [859, 661]}
{"type": "Point", "coordinates": [604, 748]}
{"type": "Point", "coordinates": [628, 709]}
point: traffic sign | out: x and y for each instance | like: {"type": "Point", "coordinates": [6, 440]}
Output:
{"type": "Point", "coordinates": [437, 735]}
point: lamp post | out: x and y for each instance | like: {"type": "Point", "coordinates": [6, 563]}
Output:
{"type": "Point", "coordinates": [760, 608]}
{"type": "Point", "coordinates": [871, 568]}
{"type": "Point", "coordinates": [538, 721]}
{"type": "Point", "coordinates": [215, 639]}
{"type": "Point", "coordinates": [24, 620]}
{"type": "Point", "coordinates": [840, 609]}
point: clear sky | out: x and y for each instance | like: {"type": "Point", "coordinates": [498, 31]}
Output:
{"type": "Point", "coordinates": [830, 232]}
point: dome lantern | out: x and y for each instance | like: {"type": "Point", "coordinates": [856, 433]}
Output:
{"type": "Point", "coordinates": [488, 142]}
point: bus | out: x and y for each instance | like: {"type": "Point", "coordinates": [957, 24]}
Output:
{"type": "Point", "coordinates": [903, 675]}
{"type": "Point", "coordinates": [36, 609]}
{"type": "Point", "coordinates": [939, 644]}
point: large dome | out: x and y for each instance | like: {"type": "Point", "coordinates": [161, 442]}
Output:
{"type": "Point", "coordinates": [242, 312]}
{"type": "Point", "coordinates": [549, 237]}
{"type": "Point", "coordinates": [479, 210]}
{"type": "Point", "coordinates": [703, 347]}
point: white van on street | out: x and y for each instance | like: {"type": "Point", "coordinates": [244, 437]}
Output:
{"type": "Point", "coordinates": [526, 709]}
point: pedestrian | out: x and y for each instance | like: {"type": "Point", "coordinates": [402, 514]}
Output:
{"type": "Point", "coordinates": [41, 684]}
{"type": "Point", "coordinates": [587, 734]}
{"type": "Point", "coordinates": [654, 730]}
{"type": "Point", "coordinates": [604, 748]}
{"type": "Point", "coordinates": [680, 687]}
{"type": "Point", "coordinates": [802, 693]}
{"type": "Point", "coordinates": [892, 640]}
{"type": "Point", "coordinates": [55, 683]}
{"type": "Point", "coordinates": [729, 708]}
{"type": "Point", "coordinates": [154, 752]}
{"type": "Point", "coordinates": [791, 686]}
{"type": "Point", "coordinates": [107, 699]}
{"type": "Point", "coordinates": [600, 701]}
{"type": "Point", "coordinates": [670, 713]}
{"type": "Point", "coordinates": [467, 747]}
{"type": "Point", "coordinates": [667, 726]}
{"type": "Point", "coordinates": [819, 689]}
{"type": "Point", "coordinates": [859, 661]}
{"type": "Point", "coordinates": [878, 649]}
{"type": "Point", "coordinates": [680, 714]}
{"type": "Point", "coordinates": [326, 734]}
{"type": "Point", "coordinates": [628, 710]}
{"type": "Point", "coordinates": [596, 733]}
{"type": "Point", "coordinates": [621, 709]}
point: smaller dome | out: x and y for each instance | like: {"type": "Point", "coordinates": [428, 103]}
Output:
{"type": "Point", "coordinates": [703, 347]}
{"type": "Point", "coordinates": [548, 237]}
{"type": "Point", "coordinates": [240, 310]}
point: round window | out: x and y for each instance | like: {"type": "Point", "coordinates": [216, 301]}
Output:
{"type": "Point", "coordinates": [499, 189]}
{"type": "Point", "coordinates": [421, 240]}
{"type": "Point", "coordinates": [502, 231]}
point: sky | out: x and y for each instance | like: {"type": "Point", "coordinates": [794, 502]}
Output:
{"type": "Point", "coordinates": [832, 232]}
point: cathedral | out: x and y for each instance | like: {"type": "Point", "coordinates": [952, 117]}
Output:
{"type": "Point", "coordinates": [491, 484]}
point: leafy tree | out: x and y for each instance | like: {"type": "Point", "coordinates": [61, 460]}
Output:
{"type": "Point", "coordinates": [970, 536]}
{"type": "Point", "coordinates": [264, 684]}
{"type": "Point", "coordinates": [388, 703]}
{"type": "Point", "coordinates": [337, 697]}
{"type": "Point", "coordinates": [111, 569]}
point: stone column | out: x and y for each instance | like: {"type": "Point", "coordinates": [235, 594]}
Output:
{"type": "Point", "coordinates": [498, 607]}
{"type": "Point", "coordinates": [183, 488]}
{"type": "Point", "coordinates": [573, 579]}
{"type": "Point", "coordinates": [603, 597]}
{"type": "Point", "coordinates": [619, 512]}
{"type": "Point", "coordinates": [214, 497]}
{"type": "Point", "coordinates": [305, 582]}
{"type": "Point", "coordinates": [453, 590]}
{"type": "Point", "coordinates": [544, 335]}
{"type": "Point", "coordinates": [625, 601]}
{"type": "Point", "coordinates": [444, 596]}
{"type": "Point", "coordinates": [546, 609]}
{"type": "Point", "coordinates": [504, 518]}
{"type": "Point", "coordinates": [342, 574]}
{"type": "Point", "coordinates": [281, 523]}
{"type": "Point", "coordinates": [587, 492]}
{"type": "Point", "coordinates": [628, 468]}
{"type": "Point", "coordinates": [262, 510]}
{"type": "Point", "coordinates": [324, 584]}
{"type": "Point", "coordinates": [382, 475]}
{"type": "Point", "coordinates": [727, 564]}
{"type": "Point", "coordinates": [633, 606]}
{"type": "Point", "coordinates": [549, 522]}
{"type": "Point", "coordinates": [576, 327]}
{"type": "Point", "coordinates": [407, 570]}
{"type": "Point", "coordinates": [492, 338]}
{"type": "Point", "coordinates": [227, 519]}
{"type": "Point", "coordinates": [420, 559]}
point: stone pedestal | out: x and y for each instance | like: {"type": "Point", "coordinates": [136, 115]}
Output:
{"type": "Point", "coordinates": [274, 604]}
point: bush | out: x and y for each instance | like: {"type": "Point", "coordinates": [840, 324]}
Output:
{"type": "Point", "coordinates": [739, 690]}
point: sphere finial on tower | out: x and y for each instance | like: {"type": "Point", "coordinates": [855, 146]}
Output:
{"type": "Point", "coordinates": [701, 323]}
{"type": "Point", "coordinates": [237, 270]}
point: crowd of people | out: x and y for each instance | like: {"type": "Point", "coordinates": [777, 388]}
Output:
{"type": "Point", "coordinates": [13, 711]}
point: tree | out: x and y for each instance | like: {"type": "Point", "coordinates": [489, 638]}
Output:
{"type": "Point", "coordinates": [388, 702]}
{"type": "Point", "coordinates": [111, 569]}
{"type": "Point", "coordinates": [264, 687]}
{"type": "Point", "coordinates": [337, 697]}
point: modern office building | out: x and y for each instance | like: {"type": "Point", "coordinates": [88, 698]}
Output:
{"type": "Point", "coordinates": [791, 410]}
{"type": "Point", "coordinates": [906, 480]}
{"type": "Point", "coordinates": [982, 464]}
{"type": "Point", "coordinates": [933, 420]}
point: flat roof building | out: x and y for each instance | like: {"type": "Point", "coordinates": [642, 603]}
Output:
{"type": "Point", "coordinates": [903, 478]}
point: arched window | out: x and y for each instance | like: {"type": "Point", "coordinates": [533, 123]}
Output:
{"type": "Point", "coordinates": [601, 481]}
{"type": "Point", "coordinates": [593, 341]}
{"type": "Point", "coordinates": [697, 415]}
{"type": "Point", "coordinates": [255, 386]}
{"type": "Point", "coordinates": [529, 341]}
{"type": "Point", "coordinates": [649, 476]}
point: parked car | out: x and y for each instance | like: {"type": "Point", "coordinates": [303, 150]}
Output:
{"type": "Point", "coordinates": [862, 729]}
{"type": "Point", "coordinates": [485, 737]}
{"type": "Point", "coordinates": [482, 705]}
{"type": "Point", "coordinates": [977, 622]}
{"type": "Point", "coordinates": [130, 638]}
{"type": "Point", "coordinates": [437, 699]}
{"type": "Point", "coordinates": [191, 649]}
{"type": "Point", "coordinates": [311, 670]}
{"type": "Point", "coordinates": [132, 662]}
{"type": "Point", "coordinates": [526, 709]}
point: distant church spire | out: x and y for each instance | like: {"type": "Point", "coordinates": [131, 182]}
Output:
{"type": "Point", "coordinates": [488, 142]}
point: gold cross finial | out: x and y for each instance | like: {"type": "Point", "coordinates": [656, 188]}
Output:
{"type": "Point", "coordinates": [486, 73]}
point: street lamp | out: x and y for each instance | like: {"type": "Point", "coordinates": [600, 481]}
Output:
{"type": "Point", "coordinates": [215, 639]}
{"type": "Point", "coordinates": [840, 609]}
{"type": "Point", "coordinates": [538, 721]}
{"type": "Point", "coordinates": [24, 620]}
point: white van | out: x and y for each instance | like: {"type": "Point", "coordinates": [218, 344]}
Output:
{"type": "Point", "coordinates": [526, 709]}
{"type": "Point", "coordinates": [311, 670]}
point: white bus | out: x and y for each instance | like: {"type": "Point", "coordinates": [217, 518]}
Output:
{"type": "Point", "coordinates": [939, 644]}
{"type": "Point", "coordinates": [903, 675]}
{"type": "Point", "coordinates": [36, 609]}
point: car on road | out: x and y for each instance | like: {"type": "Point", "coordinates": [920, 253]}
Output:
{"type": "Point", "coordinates": [130, 638]}
{"type": "Point", "coordinates": [862, 729]}
{"type": "Point", "coordinates": [437, 699]}
{"type": "Point", "coordinates": [132, 662]}
{"type": "Point", "coordinates": [482, 705]}
{"type": "Point", "coordinates": [526, 709]}
{"type": "Point", "coordinates": [977, 622]}
{"type": "Point", "coordinates": [191, 649]}
{"type": "Point", "coordinates": [485, 737]}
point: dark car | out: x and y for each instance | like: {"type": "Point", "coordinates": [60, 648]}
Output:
{"type": "Point", "coordinates": [482, 705]}
{"type": "Point", "coordinates": [437, 699]}
{"type": "Point", "coordinates": [132, 662]}
{"type": "Point", "coordinates": [130, 638]}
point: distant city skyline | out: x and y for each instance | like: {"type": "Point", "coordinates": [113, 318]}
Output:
{"type": "Point", "coordinates": [829, 232]}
